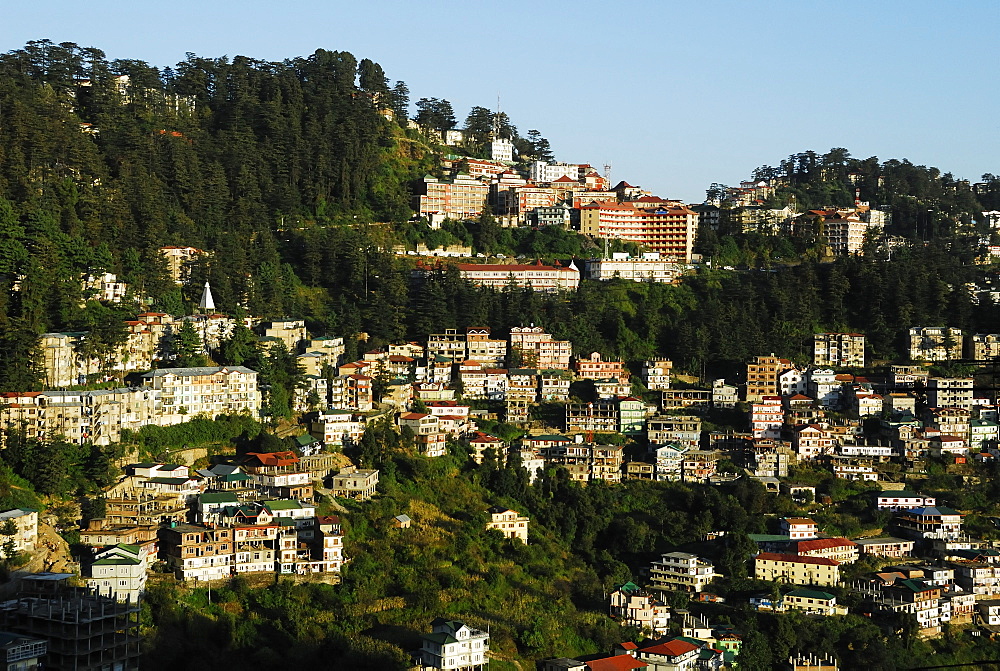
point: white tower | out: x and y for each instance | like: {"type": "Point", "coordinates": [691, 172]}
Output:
{"type": "Point", "coordinates": [207, 303]}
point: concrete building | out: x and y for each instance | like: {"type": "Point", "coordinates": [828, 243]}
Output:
{"type": "Point", "coordinates": [796, 570]}
{"type": "Point", "coordinates": [843, 350]}
{"type": "Point", "coordinates": [682, 571]}
{"type": "Point", "coordinates": [460, 198]}
{"type": "Point", "coordinates": [508, 522]}
{"type": "Point", "coordinates": [537, 276]}
{"type": "Point", "coordinates": [649, 267]}
{"type": "Point", "coordinates": [668, 230]}
{"type": "Point", "coordinates": [935, 343]}
{"type": "Point", "coordinates": [186, 392]}
{"type": "Point", "coordinates": [454, 646]}
{"type": "Point", "coordinates": [538, 349]}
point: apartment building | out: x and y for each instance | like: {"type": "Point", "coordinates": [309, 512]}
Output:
{"type": "Point", "coordinates": [197, 552]}
{"type": "Point", "coordinates": [656, 374]}
{"type": "Point", "coordinates": [460, 198]}
{"type": "Point", "coordinates": [649, 267]}
{"type": "Point", "coordinates": [682, 571]}
{"type": "Point", "coordinates": [594, 367]}
{"type": "Point", "coordinates": [537, 276]}
{"type": "Point", "coordinates": [668, 230]}
{"type": "Point", "coordinates": [935, 343]}
{"type": "Point", "coordinates": [949, 392]}
{"type": "Point", "coordinates": [762, 377]}
{"type": "Point", "coordinates": [186, 392]}
{"type": "Point", "coordinates": [681, 429]}
{"type": "Point", "coordinates": [844, 350]}
{"type": "Point", "coordinates": [789, 568]}
{"type": "Point", "coordinates": [983, 346]}
{"type": "Point", "coordinates": [538, 349]}
{"type": "Point", "coordinates": [454, 646]}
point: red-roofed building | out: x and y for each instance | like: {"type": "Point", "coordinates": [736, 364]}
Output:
{"type": "Point", "coordinates": [616, 663]}
{"type": "Point", "coordinates": [841, 549]}
{"type": "Point", "coordinates": [538, 276]}
{"type": "Point", "coordinates": [674, 655]}
{"type": "Point", "coordinates": [669, 230]}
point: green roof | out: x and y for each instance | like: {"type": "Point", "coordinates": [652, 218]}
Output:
{"type": "Point", "coordinates": [441, 638]}
{"type": "Point", "coordinates": [117, 561]}
{"type": "Point", "coordinates": [769, 538]}
{"type": "Point", "coordinates": [811, 594]}
{"type": "Point", "coordinates": [218, 497]}
{"type": "Point", "coordinates": [282, 504]}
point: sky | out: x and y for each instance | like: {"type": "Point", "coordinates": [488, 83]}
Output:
{"type": "Point", "coordinates": [674, 95]}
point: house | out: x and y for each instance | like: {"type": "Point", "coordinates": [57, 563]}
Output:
{"type": "Point", "coordinates": [841, 549]}
{"type": "Point", "coordinates": [120, 572]}
{"type": "Point", "coordinates": [812, 602]}
{"type": "Point", "coordinates": [682, 571]}
{"type": "Point", "coordinates": [25, 524]}
{"type": "Point", "coordinates": [902, 499]}
{"type": "Point", "coordinates": [795, 569]}
{"type": "Point", "coordinates": [453, 645]}
{"type": "Point", "coordinates": [885, 546]}
{"type": "Point", "coordinates": [930, 522]}
{"type": "Point", "coordinates": [989, 611]}
{"type": "Point", "coordinates": [798, 528]}
{"type": "Point", "coordinates": [20, 652]}
{"type": "Point", "coordinates": [355, 483]}
{"type": "Point", "coordinates": [674, 655]}
{"type": "Point", "coordinates": [632, 606]}
{"type": "Point", "coordinates": [508, 522]}
{"type": "Point", "coordinates": [198, 552]}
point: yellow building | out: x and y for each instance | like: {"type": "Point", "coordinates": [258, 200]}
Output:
{"type": "Point", "coordinates": [796, 570]}
{"type": "Point", "coordinates": [508, 522]}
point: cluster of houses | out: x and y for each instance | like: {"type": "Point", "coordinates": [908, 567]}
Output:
{"type": "Point", "coordinates": [943, 576]}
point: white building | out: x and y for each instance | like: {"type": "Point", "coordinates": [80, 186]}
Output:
{"type": "Point", "coordinates": [682, 571]}
{"type": "Point", "coordinates": [26, 522]}
{"type": "Point", "coordinates": [455, 646]}
{"type": "Point", "coordinates": [186, 392]}
{"type": "Point", "coordinates": [650, 267]}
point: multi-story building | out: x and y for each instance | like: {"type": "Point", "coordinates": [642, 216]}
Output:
{"type": "Point", "coordinates": [355, 483]}
{"type": "Point", "coordinates": [983, 346]}
{"type": "Point", "coordinates": [82, 416]}
{"type": "Point", "coordinates": [479, 346]}
{"type": "Point", "coordinates": [453, 646]}
{"type": "Point", "coordinates": [682, 571]}
{"type": "Point", "coordinates": [538, 349]}
{"type": "Point", "coordinates": [460, 198]}
{"type": "Point", "coordinates": [597, 417]}
{"type": "Point", "coordinates": [508, 522]}
{"type": "Point", "coordinates": [656, 374]}
{"type": "Point", "coordinates": [120, 572]}
{"type": "Point", "coordinates": [845, 350]}
{"type": "Point", "coordinates": [935, 343]}
{"type": "Point", "coordinates": [73, 627]}
{"type": "Point", "coordinates": [949, 392]}
{"type": "Point", "coordinates": [812, 602]}
{"type": "Point", "coordinates": [668, 230]}
{"type": "Point", "coordinates": [594, 367]}
{"type": "Point", "coordinates": [796, 570]}
{"type": "Point", "coordinates": [180, 261]}
{"type": "Point", "coordinates": [634, 607]}
{"type": "Point", "coordinates": [767, 417]}
{"type": "Point", "coordinates": [762, 377]}
{"type": "Point", "coordinates": [902, 500]}
{"type": "Point", "coordinates": [841, 549]}
{"type": "Point", "coordinates": [26, 528]}
{"type": "Point", "coordinates": [186, 392]}
{"type": "Point", "coordinates": [538, 276]}
{"type": "Point", "coordinates": [647, 268]}
{"type": "Point", "coordinates": [930, 522]}
{"type": "Point", "coordinates": [198, 552]}
{"type": "Point", "coordinates": [799, 528]}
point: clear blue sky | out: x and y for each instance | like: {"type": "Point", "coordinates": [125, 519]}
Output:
{"type": "Point", "coordinates": [675, 94]}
